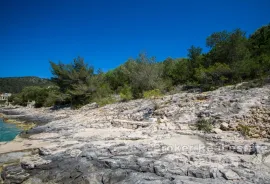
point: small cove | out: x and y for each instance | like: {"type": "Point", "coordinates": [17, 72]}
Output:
{"type": "Point", "coordinates": [8, 131]}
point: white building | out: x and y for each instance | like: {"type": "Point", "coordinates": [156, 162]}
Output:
{"type": "Point", "coordinates": [4, 96]}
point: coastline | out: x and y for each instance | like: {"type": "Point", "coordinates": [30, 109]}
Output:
{"type": "Point", "coordinates": [11, 152]}
{"type": "Point", "coordinates": [98, 144]}
{"type": "Point", "coordinates": [23, 125]}
{"type": "Point", "coordinates": [21, 142]}
{"type": "Point", "coordinates": [31, 121]}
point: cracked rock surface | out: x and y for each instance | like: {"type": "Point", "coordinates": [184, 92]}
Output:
{"type": "Point", "coordinates": [146, 141]}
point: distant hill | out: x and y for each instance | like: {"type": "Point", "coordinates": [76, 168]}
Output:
{"type": "Point", "coordinates": [16, 84]}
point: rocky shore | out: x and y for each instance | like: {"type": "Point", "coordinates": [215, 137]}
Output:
{"type": "Point", "coordinates": [145, 141]}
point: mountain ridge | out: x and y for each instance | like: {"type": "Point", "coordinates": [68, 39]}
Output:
{"type": "Point", "coordinates": [16, 84]}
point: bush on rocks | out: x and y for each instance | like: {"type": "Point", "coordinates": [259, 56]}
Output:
{"type": "Point", "coordinates": [152, 94]}
{"type": "Point", "coordinates": [244, 129]}
{"type": "Point", "coordinates": [204, 125]}
{"type": "Point", "coordinates": [126, 93]}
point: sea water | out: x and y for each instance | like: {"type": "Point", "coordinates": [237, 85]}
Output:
{"type": "Point", "coordinates": [8, 131]}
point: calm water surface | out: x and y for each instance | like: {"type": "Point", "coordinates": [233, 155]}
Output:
{"type": "Point", "coordinates": [8, 131]}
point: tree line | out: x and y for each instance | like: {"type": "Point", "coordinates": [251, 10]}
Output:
{"type": "Point", "coordinates": [232, 57]}
{"type": "Point", "coordinates": [16, 84]}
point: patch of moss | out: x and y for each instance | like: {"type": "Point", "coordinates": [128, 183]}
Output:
{"type": "Point", "coordinates": [104, 101]}
{"type": "Point", "coordinates": [2, 115]}
{"type": "Point", "coordinates": [244, 129]}
{"type": "Point", "coordinates": [21, 124]}
{"type": "Point", "coordinates": [152, 94]}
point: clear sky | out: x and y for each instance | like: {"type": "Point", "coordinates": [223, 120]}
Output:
{"type": "Point", "coordinates": [108, 32]}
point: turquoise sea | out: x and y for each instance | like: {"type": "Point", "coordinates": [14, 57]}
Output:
{"type": "Point", "coordinates": [8, 131]}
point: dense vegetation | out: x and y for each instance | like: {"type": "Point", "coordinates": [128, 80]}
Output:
{"type": "Point", "coordinates": [233, 57]}
{"type": "Point", "coordinates": [16, 84]}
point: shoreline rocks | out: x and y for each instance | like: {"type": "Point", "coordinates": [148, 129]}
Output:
{"type": "Point", "coordinates": [147, 141]}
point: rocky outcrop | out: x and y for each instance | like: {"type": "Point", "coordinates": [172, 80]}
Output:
{"type": "Point", "coordinates": [89, 107]}
{"type": "Point", "coordinates": [151, 141]}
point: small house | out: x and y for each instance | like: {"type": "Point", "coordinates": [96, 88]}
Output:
{"type": "Point", "coordinates": [4, 96]}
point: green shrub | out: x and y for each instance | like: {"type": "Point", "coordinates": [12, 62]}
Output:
{"type": "Point", "coordinates": [43, 96]}
{"type": "Point", "coordinates": [244, 129]}
{"type": "Point", "coordinates": [51, 99]}
{"type": "Point", "coordinates": [18, 100]}
{"type": "Point", "coordinates": [126, 93]}
{"type": "Point", "coordinates": [31, 93]}
{"type": "Point", "coordinates": [152, 93]}
{"type": "Point", "coordinates": [204, 125]}
{"type": "Point", "coordinates": [104, 101]}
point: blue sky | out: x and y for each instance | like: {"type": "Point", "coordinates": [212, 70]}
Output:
{"type": "Point", "coordinates": [108, 32]}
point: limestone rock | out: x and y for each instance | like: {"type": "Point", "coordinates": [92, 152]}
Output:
{"type": "Point", "coordinates": [14, 174]}
{"type": "Point", "coordinates": [146, 141]}
{"type": "Point", "coordinates": [32, 162]}
{"type": "Point", "coordinates": [89, 107]}
{"type": "Point", "coordinates": [255, 135]}
{"type": "Point", "coordinates": [201, 172]}
{"type": "Point", "coordinates": [230, 175]}
{"type": "Point", "coordinates": [224, 126]}
{"type": "Point", "coordinates": [44, 151]}
{"type": "Point", "coordinates": [217, 130]}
